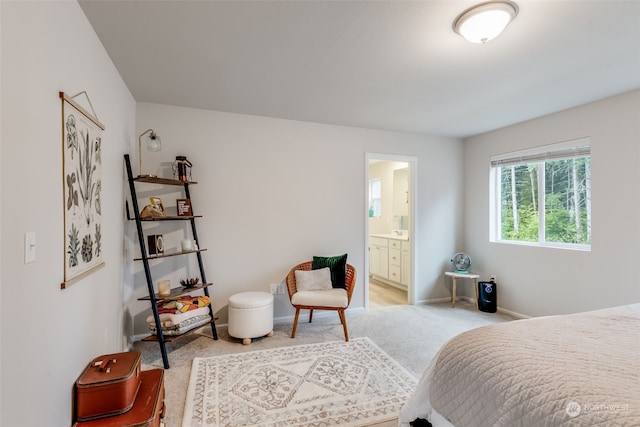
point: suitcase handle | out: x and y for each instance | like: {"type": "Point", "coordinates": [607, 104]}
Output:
{"type": "Point", "coordinates": [163, 410]}
{"type": "Point", "coordinates": [103, 365]}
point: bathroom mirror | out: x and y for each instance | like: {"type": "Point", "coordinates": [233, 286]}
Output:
{"type": "Point", "coordinates": [401, 199]}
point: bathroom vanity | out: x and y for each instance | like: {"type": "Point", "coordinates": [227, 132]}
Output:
{"type": "Point", "coordinates": [390, 259]}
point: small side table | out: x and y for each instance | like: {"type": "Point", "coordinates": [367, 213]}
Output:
{"type": "Point", "coordinates": [457, 275]}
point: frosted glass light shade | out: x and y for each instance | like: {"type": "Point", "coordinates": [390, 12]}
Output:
{"type": "Point", "coordinates": [485, 21]}
{"type": "Point", "coordinates": [153, 143]}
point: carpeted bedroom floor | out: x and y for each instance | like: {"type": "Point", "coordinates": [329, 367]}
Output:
{"type": "Point", "coordinates": [411, 335]}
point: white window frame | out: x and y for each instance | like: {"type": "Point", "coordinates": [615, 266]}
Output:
{"type": "Point", "coordinates": [375, 202]}
{"type": "Point", "coordinates": [576, 148]}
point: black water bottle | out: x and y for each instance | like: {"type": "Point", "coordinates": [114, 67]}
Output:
{"type": "Point", "coordinates": [182, 168]}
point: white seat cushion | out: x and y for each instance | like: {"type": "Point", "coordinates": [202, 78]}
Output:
{"type": "Point", "coordinates": [332, 298]}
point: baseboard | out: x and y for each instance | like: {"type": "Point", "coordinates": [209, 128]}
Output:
{"type": "Point", "coordinates": [138, 337]}
{"type": "Point", "coordinates": [472, 301]}
{"type": "Point", "coordinates": [276, 320]}
{"type": "Point", "coordinates": [325, 313]}
{"type": "Point", "coordinates": [316, 314]}
{"type": "Point", "coordinates": [433, 301]}
{"type": "Point", "coordinates": [513, 313]}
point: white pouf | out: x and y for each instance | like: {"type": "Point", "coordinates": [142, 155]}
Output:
{"type": "Point", "coordinates": [250, 315]}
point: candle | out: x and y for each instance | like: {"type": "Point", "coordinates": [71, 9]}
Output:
{"type": "Point", "coordinates": [186, 245]}
{"type": "Point", "coordinates": [164, 288]}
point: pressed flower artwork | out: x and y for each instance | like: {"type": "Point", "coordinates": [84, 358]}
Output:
{"type": "Point", "coordinates": [82, 182]}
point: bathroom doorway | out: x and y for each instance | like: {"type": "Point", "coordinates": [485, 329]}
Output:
{"type": "Point", "coordinates": [390, 230]}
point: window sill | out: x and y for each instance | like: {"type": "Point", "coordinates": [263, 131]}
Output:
{"type": "Point", "coordinates": [548, 245]}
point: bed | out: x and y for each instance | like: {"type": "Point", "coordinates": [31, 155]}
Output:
{"type": "Point", "coordinates": [571, 370]}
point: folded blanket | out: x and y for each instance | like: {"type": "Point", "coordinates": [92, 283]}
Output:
{"type": "Point", "coordinates": [171, 319]}
{"type": "Point", "coordinates": [185, 324]}
{"type": "Point", "coordinates": [181, 328]}
{"type": "Point", "coordinates": [183, 304]}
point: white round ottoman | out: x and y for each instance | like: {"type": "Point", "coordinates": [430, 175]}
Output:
{"type": "Point", "coordinates": [250, 315]}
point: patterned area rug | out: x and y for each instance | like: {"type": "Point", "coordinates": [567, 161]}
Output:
{"type": "Point", "coordinates": [337, 383]}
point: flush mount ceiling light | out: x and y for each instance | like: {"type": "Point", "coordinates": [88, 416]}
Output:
{"type": "Point", "coordinates": [485, 21]}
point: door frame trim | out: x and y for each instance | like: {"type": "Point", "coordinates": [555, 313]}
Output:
{"type": "Point", "coordinates": [413, 208]}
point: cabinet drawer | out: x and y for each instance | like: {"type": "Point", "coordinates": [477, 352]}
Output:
{"type": "Point", "coordinates": [394, 257]}
{"type": "Point", "coordinates": [394, 273]}
{"type": "Point", "coordinates": [377, 241]}
{"type": "Point", "coordinates": [394, 244]}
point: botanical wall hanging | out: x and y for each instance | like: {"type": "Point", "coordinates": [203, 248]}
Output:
{"type": "Point", "coordinates": [82, 182]}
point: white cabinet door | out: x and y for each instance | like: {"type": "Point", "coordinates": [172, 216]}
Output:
{"type": "Point", "coordinates": [379, 258]}
{"type": "Point", "coordinates": [379, 263]}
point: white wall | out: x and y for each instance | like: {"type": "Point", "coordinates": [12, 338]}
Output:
{"type": "Point", "coordinates": [49, 335]}
{"type": "Point", "coordinates": [276, 192]}
{"type": "Point", "coordinates": [540, 281]}
{"type": "Point", "coordinates": [273, 193]}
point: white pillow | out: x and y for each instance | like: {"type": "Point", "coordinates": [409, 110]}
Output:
{"type": "Point", "coordinates": [313, 280]}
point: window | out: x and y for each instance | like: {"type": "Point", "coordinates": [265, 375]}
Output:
{"type": "Point", "coordinates": [543, 196]}
{"type": "Point", "coordinates": [375, 197]}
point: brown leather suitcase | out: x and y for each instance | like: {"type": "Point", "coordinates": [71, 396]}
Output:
{"type": "Point", "coordinates": [108, 386]}
{"type": "Point", "coordinates": [148, 409]}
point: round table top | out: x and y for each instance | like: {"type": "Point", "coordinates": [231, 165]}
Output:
{"type": "Point", "coordinates": [462, 274]}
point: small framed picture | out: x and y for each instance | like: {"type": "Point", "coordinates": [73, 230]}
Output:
{"type": "Point", "coordinates": [156, 205]}
{"type": "Point", "coordinates": [184, 207]}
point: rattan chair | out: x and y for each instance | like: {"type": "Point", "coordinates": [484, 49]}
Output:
{"type": "Point", "coordinates": [350, 283]}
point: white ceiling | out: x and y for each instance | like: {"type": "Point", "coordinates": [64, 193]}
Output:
{"type": "Point", "coordinates": [394, 65]}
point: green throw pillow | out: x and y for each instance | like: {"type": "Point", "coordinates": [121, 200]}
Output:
{"type": "Point", "coordinates": [337, 265]}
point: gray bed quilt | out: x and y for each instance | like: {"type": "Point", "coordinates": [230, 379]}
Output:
{"type": "Point", "coordinates": [573, 370]}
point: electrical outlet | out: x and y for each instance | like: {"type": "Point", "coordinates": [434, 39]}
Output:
{"type": "Point", "coordinates": [281, 289]}
{"type": "Point", "coordinates": [274, 288]}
